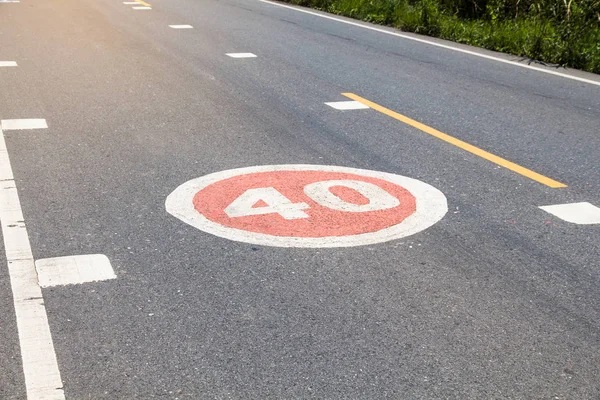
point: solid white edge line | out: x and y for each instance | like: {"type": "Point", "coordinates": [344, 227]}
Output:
{"type": "Point", "coordinates": [429, 42]}
{"type": "Point", "coordinates": [40, 366]}
{"type": "Point", "coordinates": [8, 63]}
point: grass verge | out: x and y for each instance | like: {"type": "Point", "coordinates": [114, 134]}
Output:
{"type": "Point", "coordinates": [560, 32]}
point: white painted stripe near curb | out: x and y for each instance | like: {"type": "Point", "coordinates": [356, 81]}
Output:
{"type": "Point", "coordinates": [73, 270]}
{"type": "Point", "coordinates": [347, 105]}
{"type": "Point", "coordinates": [181, 26]}
{"type": "Point", "coordinates": [576, 213]}
{"type": "Point", "coordinates": [142, 8]}
{"type": "Point", "coordinates": [432, 43]}
{"type": "Point", "coordinates": [8, 63]}
{"type": "Point", "coordinates": [40, 367]}
{"type": "Point", "coordinates": [19, 124]}
{"type": "Point", "coordinates": [241, 55]}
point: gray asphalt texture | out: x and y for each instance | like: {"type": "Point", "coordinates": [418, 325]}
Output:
{"type": "Point", "coordinates": [498, 300]}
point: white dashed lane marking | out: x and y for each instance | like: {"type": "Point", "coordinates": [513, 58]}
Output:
{"type": "Point", "coordinates": [181, 26]}
{"type": "Point", "coordinates": [18, 124]}
{"type": "Point", "coordinates": [577, 213]}
{"type": "Point", "coordinates": [142, 8]}
{"type": "Point", "coordinates": [241, 55]}
{"type": "Point", "coordinates": [347, 105]}
{"type": "Point", "coordinates": [8, 63]}
{"type": "Point", "coordinates": [74, 270]}
{"type": "Point", "coordinates": [40, 367]}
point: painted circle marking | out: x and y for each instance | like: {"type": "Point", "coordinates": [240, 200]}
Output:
{"type": "Point", "coordinates": [307, 205]}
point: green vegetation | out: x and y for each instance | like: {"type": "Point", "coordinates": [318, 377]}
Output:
{"type": "Point", "coordinates": [563, 32]}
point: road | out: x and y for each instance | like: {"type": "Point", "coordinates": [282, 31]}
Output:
{"type": "Point", "coordinates": [494, 299]}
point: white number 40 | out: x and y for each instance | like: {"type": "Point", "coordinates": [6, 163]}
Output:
{"type": "Point", "coordinates": [271, 201]}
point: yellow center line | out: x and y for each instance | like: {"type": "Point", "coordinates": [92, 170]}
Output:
{"type": "Point", "coordinates": [142, 2]}
{"type": "Point", "coordinates": [459, 143]}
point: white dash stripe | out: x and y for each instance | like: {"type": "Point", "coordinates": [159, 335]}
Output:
{"type": "Point", "coordinates": [19, 124]}
{"type": "Point", "coordinates": [142, 8]}
{"type": "Point", "coordinates": [181, 26]}
{"type": "Point", "coordinates": [576, 213]}
{"type": "Point", "coordinates": [40, 367]}
{"type": "Point", "coordinates": [73, 270]}
{"type": "Point", "coordinates": [347, 105]}
{"type": "Point", "coordinates": [241, 55]}
{"type": "Point", "coordinates": [8, 63]}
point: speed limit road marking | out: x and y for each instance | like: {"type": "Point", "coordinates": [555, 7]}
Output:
{"type": "Point", "coordinates": [307, 205]}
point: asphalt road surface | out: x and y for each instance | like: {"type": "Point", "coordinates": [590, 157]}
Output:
{"type": "Point", "coordinates": [317, 282]}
